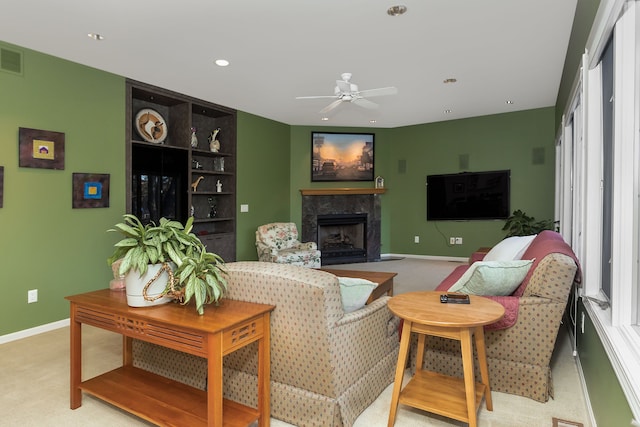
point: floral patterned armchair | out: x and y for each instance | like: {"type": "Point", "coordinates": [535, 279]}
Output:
{"type": "Point", "coordinates": [278, 242]}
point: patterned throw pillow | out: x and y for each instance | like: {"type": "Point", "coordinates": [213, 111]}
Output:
{"type": "Point", "coordinates": [492, 277]}
{"type": "Point", "coordinates": [355, 292]}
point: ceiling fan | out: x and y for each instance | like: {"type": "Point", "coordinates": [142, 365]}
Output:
{"type": "Point", "coordinates": [345, 91]}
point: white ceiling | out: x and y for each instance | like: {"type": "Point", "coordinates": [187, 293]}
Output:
{"type": "Point", "coordinates": [498, 50]}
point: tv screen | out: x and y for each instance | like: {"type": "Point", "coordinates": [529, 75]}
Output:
{"type": "Point", "coordinates": [468, 196]}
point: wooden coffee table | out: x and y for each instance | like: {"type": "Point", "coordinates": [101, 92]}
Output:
{"type": "Point", "coordinates": [424, 314]}
{"type": "Point", "coordinates": [383, 279]}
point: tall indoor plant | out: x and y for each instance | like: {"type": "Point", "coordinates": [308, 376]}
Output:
{"type": "Point", "coordinates": [195, 273]}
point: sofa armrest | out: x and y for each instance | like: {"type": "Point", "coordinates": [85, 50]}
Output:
{"type": "Point", "coordinates": [364, 338]}
{"type": "Point", "coordinates": [265, 253]}
{"type": "Point", "coordinates": [364, 312]}
{"type": "Point", "coordinates": [478, 255]}
{"type": "Point", "coordinates": [532, 339]}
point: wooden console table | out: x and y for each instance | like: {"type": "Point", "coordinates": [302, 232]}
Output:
{"type": "Point", "coordinates": [221, 330]}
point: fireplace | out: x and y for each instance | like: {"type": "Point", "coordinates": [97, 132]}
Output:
{"type": "Point", "coordinates": [342, 238]}
{"type": "Point", "coordinates": [361, 203]}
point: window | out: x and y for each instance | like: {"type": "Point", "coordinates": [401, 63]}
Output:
{"type": "Point", "coordinates": [600, 175]}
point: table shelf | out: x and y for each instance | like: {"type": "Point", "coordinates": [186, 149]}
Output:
{"type": "Point", "coordinates": [439, 394]}
{"type": "Point", "coordinates": [146, 395]}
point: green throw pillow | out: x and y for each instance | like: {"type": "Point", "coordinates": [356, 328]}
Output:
{"type": "Point", "coordinates": [355, 292]}
{"type": "Point", "coordinates": [492, 277]}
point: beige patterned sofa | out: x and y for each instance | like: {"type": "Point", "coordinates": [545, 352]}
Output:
{"type": "Point", "coordinates": [327, 366]}
{"type": "Point", "coordinates": [520, 346]}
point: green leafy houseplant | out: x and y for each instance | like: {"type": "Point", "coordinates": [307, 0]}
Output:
{"type": "Point", "coordinates": [198, 274]}
{"type": "Point", "coordinates": [520, 224]}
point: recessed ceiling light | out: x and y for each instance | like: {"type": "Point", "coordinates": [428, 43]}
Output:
{"type": "Point", "coordinates": [448, 111]}
{"type": "Point", "coordinates": [95, 36]}
{"type": "Point", "coordinates": [396, 10]}
{"type": "Point", "coordinates": [449, 80]}
{"type": "Point", "coordinates": [373, 121]}
{"type": "Point", "coordinates": [222, 62]}
{"type": "Point", "coordinates": [324, 119]}
{"type": "Point", "coordinates": [508, 101]}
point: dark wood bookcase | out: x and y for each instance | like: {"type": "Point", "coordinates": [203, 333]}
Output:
{"type": "Point", "coordinates": [160, 175]}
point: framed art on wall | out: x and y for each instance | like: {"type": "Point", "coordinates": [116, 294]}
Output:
{"type": "Point", "coordinates": [90, 190]}
{"type": "Point", "coordinates": [342, 156]}
{"type": "Point", "coordinates": [41, 149]}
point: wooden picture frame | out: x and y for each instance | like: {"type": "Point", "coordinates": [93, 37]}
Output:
{"type": "Point", "coordinates": [41, 149]}
{"type": "Point", "coordinates": [339, 156]}
{"type": "Point", "coordinates": [90, 190]}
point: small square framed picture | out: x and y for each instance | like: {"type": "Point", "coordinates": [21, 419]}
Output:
{"type": "Point", "coordinates": [41, 149]}
{"type": "Point", "coordinates": [90, 190]}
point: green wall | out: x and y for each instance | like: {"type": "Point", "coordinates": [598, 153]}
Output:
{"type": "Point", "coordinates": [42, 236]}
{"type": "Point", "coordinates": [263, 178]}
{"type": "Point", "coordinates": [49, 246]}
{"type": "Point", "coordinates": [45, 244]}
{"type": "Point", "coordinates": [503, 141]}
{"type": "Point", "coordinates": [609, 403]}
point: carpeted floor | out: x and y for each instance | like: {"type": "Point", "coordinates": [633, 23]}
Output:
{"type": "Point", "coordinates": [34, 376]}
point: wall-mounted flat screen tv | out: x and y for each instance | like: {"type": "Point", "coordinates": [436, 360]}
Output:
{"type": "Point", "coordinates": [468, 196]}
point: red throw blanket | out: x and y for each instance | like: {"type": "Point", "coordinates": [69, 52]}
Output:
{"type": "Point", "coordinates": [545, 243]}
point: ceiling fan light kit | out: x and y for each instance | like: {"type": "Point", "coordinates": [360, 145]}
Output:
{"type": "Point", "coordinates": [345, 91]}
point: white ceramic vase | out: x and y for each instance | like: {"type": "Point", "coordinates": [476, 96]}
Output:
{"type": "Point", "coordinates": [134, 284]}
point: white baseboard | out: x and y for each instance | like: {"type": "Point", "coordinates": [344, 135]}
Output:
{"type": "Point", "coordinates": [33, 331]}
{"type": "Point", "coordinates": [427, 257]}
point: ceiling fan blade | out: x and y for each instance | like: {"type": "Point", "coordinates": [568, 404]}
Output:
{"type": "Point", "coordinates": [379, 92]}
{"type": "Point", "coordinates": [361, 102]}
{"type": "Point", "coordinates": [331, 106]}
{"type": "Point", "coordinates": [315, 97]}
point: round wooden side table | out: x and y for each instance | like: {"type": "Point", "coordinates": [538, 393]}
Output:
{"type": "Point", "coordinates": [424, 314]}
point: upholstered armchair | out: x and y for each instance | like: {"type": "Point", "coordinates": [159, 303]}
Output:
{"type": "Point", "coordinates": [278, 242]}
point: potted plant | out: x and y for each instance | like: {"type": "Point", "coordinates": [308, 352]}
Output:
{"type": "Point", "coordinates": [520, 224]}
{"type": "Point", "coordinates": [167, 261]}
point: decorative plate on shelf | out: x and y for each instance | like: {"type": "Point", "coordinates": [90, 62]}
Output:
{"type": "Point", "coordinates": [151, 126]}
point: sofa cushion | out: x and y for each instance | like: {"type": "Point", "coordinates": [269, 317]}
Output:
{"type": "Point", "coordinates": [355, 292]}
{"type": "Point", "coordinates": [492, 277]}
{"type": "Point", "coordinates": [510, 248]}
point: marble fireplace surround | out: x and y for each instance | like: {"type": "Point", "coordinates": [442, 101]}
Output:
{"type": "Point", "coordinates": [329, 201]}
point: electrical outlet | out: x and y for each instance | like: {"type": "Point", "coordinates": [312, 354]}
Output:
{"type": "Point", "coordinates": [458, 240]}
{"type": "Point", "coordinates": [244, 208]}
{"type": "Point", "coordinates": [452, 240]}
{"type": "Point", "coordinates": [416, 239]}
{"type": "Point", "coordinates": [32, 296]}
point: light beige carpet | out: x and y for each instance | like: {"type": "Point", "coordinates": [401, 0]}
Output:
{"type": "Point", "coordinates": [34, 380]}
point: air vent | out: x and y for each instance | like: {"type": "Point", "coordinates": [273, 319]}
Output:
{"type": "Point", "coordinates": [11, 61]}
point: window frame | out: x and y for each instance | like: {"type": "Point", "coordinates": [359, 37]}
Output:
{"type": "Point", "coordinates": [618, 323]}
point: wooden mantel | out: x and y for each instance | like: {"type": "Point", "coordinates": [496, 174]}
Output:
{"type": "Point", "coordinates": [340, 191]}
